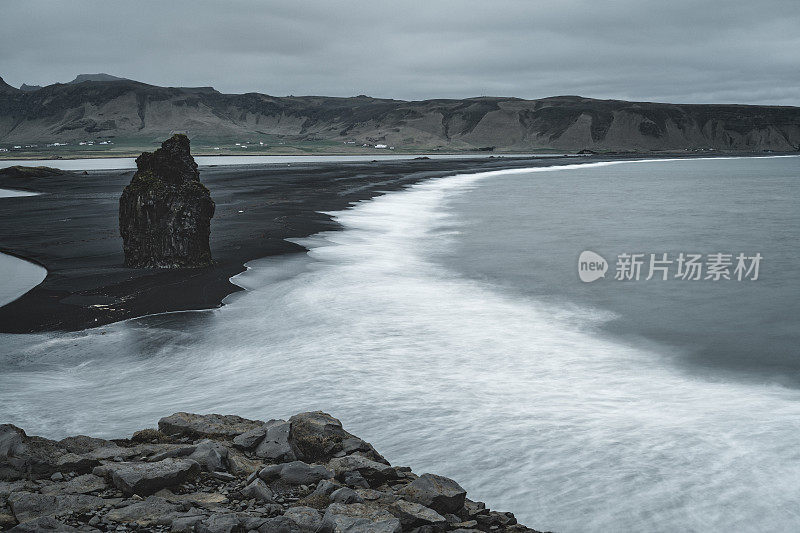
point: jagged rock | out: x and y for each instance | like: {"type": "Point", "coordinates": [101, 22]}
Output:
{"type": "Point", "coordinates": [219, 523]}
{"type": "Point", "coordinates": [358, 518]}
{"type": "Point", "coordinates": [316, 436]}
{"type": "Point", "coordinates": [258, 490]}
{"type": "Point", "coordinates": [326, 487]}
{"type": "Point", "coordinates": [355, 479]}
{"type": "Point", "coordinates": [22, 456]}
{"type": "Point", "coordinates": [275, 444]}
{"type": "Point", "coordinates": [250, 439]}
{"type": "Point", "coordinates": [212, 456]}
{"type": "Point", "coordinates": [279, 524]}
{"type": "Point", "coordinates": [346, 495]}
{"type": "Point", "coordinates": [356, 445]}
{"type": "Point", "coordinates": [7, 520]}
{"type": "Point", "coordinates": [43, 524]}
{"type": "Point", "coordinates": [375, 473]}
{"type": "Point", "coordinates": [165, 213]}
{"type": "Point", "coordinates": [147, 478]}
{"type": "Point", "coordinates": [295, 473]}
{"type": "Point", "coordinates": [80, 485]}
{"type": "Point", "coordinates": [177, 451]}
{"type": "Point", "coordinates": [150, 512]}
{"type": "Point", "coordinates": [27, 506]}
{"type": "Point", "coordinates": [308, 520]}
{"type": "Point", "coordinates": [206, 426]}
{"type": "Point", "coordinates": [206, 500]}
{"type": "Point", "coordinates": [289, 497]}
{"type": "Point", "coordinates": [414, 514]}
{"type": "Point", "coordinates": [241, 465]}
{"type": "Point", "coordinates": [186, 524]}
{"type": "Point", "coordinates": [437, 492]}
{"type": "Point", "coordinates": [493, 518]}
{"type": "Point", "coordinates": [149, 435]}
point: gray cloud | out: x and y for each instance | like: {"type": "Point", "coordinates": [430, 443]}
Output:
{"type": "Point", "coordinates": [680, 51]}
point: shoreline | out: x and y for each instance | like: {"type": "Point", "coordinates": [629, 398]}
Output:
{"type": "Point", "coordinates": [259, 207]}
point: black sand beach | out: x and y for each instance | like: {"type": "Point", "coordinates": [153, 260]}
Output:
{"type": "Point", "coordinates": [72, 230]}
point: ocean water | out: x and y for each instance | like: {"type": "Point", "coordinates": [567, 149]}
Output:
{"type": "Point", "coordinates": [480, 355]}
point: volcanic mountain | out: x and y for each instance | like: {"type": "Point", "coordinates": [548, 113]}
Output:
{"type": "Point", "coordinates": [105, 107]}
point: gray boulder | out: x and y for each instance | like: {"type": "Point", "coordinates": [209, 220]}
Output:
{"type": "Point", "coordinates": [346, 495]}
{"type": "Point", "coordinates": [374, 472]}
{"type": "Point", "coordinates": [172, 452]}
{"type": "Point", "coordinates": [326, 487]}
{"type": "Point", "coordinates": [308, 519]}
{"type": "Point", "coordinates": [212, 456]}
{"type": "Point", "coordinates": [295, 473]}
{"type": "Point", "coordinates": [79, 485]}
{"type": "Point", "coordinates": [316, 436]}
{"type": "Point", "coordinates": [354, 479]}
{"type": "Point", "coordinates": [279, 524]}
{"type": "Point", "coordinates": [206, 426]}
{"type": "Point", "coordinates": [413, 515]}
{"type": "Point", "coordinates": [153, 511]}
{"type": "Point", "coordinates": [43, 524]}
{"type": "Point", "coordinates": [219, 523]}
{"type": "Point", "coordinates": [275, 444]}
{"type": "Point", "coordinates": [441, 494]}
{"type": "Point", "coordinates": [186, 524]}
{"type": "Point", "coordinates": [258, 490]}
{"type": "Point", "coordinates": [356, 445]}
{"type": "Point", "coordinates": [22, 456]}
{"type": "Point", "coordinates": [358, 518]}
{"type": "Point", "coordinates": [27, 506]}
{"type": "Point", "coordinates": [147, 478]}
{"type": "Point", "coordinates": [250, 439]}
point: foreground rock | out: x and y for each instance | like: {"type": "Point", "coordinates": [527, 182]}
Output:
{"type": "Point", "coordinates": [213, 473]}
{"type": "Point", "coordinates": [165, 213]}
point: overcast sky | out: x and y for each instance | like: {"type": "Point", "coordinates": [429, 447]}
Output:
{"type": "Point", "coordinates": [741, 51]}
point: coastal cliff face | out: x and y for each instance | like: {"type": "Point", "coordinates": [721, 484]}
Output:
{"type": "Point", "coordinates": [131, 110]}
{"type": "Point", "coordinates": [227, 474]}
{"type": "Point", "coordinates": [165, 213]}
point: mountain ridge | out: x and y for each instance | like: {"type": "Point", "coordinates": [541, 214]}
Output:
{"type": "Point", "coordinates": [135, 110]}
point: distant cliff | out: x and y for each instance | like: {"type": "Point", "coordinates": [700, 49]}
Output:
{"type": "Point", "coordinates": [133, 110]}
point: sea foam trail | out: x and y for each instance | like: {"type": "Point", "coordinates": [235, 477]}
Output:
{"type": "Point", "coordinates": [523, 403]}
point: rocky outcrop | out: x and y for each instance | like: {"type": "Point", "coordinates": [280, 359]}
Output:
{"type": "Point", "coordinates": [202, 473]}
{"type": "Point", "coordinates": [22, 172]}
{"type": "Point", "coordinates": [165, 213]}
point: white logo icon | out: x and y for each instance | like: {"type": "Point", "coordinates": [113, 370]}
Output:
{"type": "Point", "coordinates": [591, 266]}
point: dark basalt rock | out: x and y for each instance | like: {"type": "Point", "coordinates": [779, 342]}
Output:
{"type": "Point", "coordinates": [220, 484]}
{"type": "Point", "coordinates": [165, 213]}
